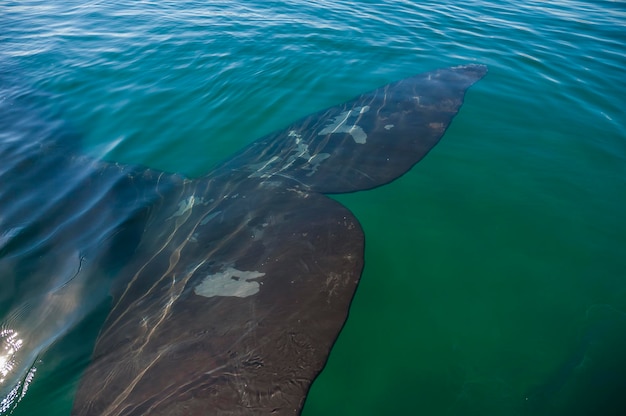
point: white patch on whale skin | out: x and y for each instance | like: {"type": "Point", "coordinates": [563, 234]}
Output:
{"type": "Point", "coordinates": [186, 205]}
{"type": "Point", "coordinates": [340, 125]}
{"type": "Point", "coordinates": [230, 282]}
{"type": "Point", "coordinates": [301, 151]}
{"type": "Point", "coordinates": [389, 126]}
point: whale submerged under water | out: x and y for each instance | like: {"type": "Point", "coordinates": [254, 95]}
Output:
{"type": "Point", "coordinates": [228, 291]}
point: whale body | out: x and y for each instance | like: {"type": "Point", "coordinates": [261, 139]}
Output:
{"type": "Point", "coordinates": [227, 291]}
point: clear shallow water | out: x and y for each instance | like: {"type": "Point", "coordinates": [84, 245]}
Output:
{"type": "Point", "coordinates": [495, 279]}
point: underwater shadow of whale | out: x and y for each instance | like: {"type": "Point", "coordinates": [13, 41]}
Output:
{"type": "Point", "coordinates": [229, 290]}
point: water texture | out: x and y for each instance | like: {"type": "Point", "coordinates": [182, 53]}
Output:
{"type": "Point", "coordinates": [495, 278]}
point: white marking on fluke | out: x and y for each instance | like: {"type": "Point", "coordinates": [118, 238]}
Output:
{"type": "Point", "coordinates": [186, 205]}
{"type": "Point", "coordinates": [299, 151]}
{"type": "Point", "coordinates": [340, 125]}
{"type": "Point", "coordinates": [230, 282]}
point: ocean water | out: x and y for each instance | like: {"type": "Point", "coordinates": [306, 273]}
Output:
{"type": "Point", "coordinates": [495, 277]}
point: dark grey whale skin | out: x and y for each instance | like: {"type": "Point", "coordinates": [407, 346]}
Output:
{"type": "Point", "coordinates": [230, 290]}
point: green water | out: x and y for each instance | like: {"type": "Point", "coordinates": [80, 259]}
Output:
{"type": "Point", "coordinates": [495, 278]}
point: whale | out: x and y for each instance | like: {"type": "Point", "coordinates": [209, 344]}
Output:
{"type": "Point", "coordinates": [224, 293]}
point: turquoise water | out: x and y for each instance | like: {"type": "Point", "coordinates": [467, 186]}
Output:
{"type": "Point", "coordinates": [495, 278]}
